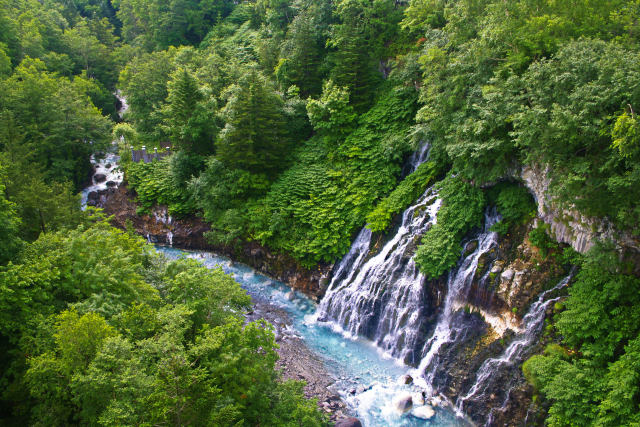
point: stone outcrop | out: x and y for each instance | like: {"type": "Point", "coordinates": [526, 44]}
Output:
{"type": "Point", "coordinates": [568, 225]}
{"type": "Point", "coordinates": [349, 422]}
{"type": "Point", "coordinates": [188, 233]}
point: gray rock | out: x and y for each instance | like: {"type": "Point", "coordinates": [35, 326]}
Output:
{"type": "Point", "coordinates": [99, 177]}
{"type": "Point", "coordinates": [497, 267]}
{"type": "Point", "coordinates": [470, 247]}
{"type": "Point", "coordinates": [111, 184]}
{"type": "Point", "coordinates": [424, 412]}
{"type": "Point", "coordinates": [404, 404]}
{"type": "Point", "coordinates": [257, 252]}
{"type": "Point", "coordinates": [507, 275]}
{"type": "Point", "coordinates": [349, 422]}
{"type": "Point", "coordinates": [569, 225]}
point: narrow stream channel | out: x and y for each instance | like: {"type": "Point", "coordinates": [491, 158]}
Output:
{"type": "Point", "coordinates": [367, 381]}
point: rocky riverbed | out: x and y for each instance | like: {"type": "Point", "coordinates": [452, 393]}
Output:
{"type": "Point", "coordinates": [298, 362]}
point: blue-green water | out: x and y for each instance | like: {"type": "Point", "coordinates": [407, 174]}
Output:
{"type": "Point", "coordinates": [355, 363]}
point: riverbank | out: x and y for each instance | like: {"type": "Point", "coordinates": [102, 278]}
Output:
{"type": "Point", "coordinates": [188, 233]}
{"type": "Point", "coordinates": [297, 361]}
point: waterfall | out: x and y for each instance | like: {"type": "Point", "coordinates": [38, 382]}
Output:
{"type": "Point", "coordinates": [417, 158]}
{"type": "Point", "coordinates": [514, 354]}
{"type": "Point", "coordinates": [107, 174]}
{"type": "Point", "coordinates": [382, 298]}
{"type": "Point", "coordinates": [458, 286]}
{"type": "Point", "coordinates": [124, 106]}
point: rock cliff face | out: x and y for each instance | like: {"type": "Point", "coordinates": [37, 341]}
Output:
{"type": "Point", "coordinates": [188, 233]}
{"type": "Point", "coordinates": [570, 226]}
{"type": "Point", "coordinates": [507, 281]}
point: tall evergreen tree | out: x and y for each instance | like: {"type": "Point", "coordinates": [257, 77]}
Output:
{"type": "Point", "coordinates": [255, 136]}
{"type": "Point", "coordinates": [189, 114]}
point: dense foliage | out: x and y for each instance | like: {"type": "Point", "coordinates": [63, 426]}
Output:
{"type": "Point", "coordinates": [461, 210]}
{"type": "Point", "coordinates": [593, 378]}
{"type": "Point", "coordinates": [98, 329]}
{"type": "Point", "coordinates": [290, 123]}
{"type": "Point", "coordinates": [402, 196]}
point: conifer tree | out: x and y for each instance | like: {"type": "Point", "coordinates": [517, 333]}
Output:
{"type": "Point", "coordinates": [255, 137]}
{"type": "Point", "coordinates": [189, 114]}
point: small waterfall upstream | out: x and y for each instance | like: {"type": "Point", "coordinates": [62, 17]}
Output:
{"type": "Point", "coordinates": [417, 158]}
{"type": "Point", "coordinates": [458, 286]}
{"type": "Point", "coordinates": [107, 175]}
{"type": "Point", "coordinates": [487, 376]}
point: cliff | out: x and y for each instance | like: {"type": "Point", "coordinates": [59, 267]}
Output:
{"type": "Point", "coordinates": [568, 225]}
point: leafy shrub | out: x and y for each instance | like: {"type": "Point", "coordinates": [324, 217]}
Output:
{"type": "Point", "coordinates": [515, 204]}
{"type": "Point", "coordinates": [462, 207]}
{"type": "Point", "coordinates": [314, 208]}
{"type": "Point", "coordinates": [162, 182]}
{"type": "Point", "coordinates": [539, 237]}
{"type": "Point", "coordinates": [402, 196]}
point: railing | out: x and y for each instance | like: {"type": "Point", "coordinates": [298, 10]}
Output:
{"type": "Point", "coordinates": [146, 156]}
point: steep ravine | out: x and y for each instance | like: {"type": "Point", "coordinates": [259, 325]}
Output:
{"type": "Point", "coordinates": [508, 276]}
{"type": "Point", "coordinates": [502, 282]}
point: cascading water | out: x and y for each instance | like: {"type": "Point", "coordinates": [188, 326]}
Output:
{"type": "Point", "coordinates": [488, 374]}
{"type": "Point", "coordinates": [383, 298]}
{"type": "Point", "coordinates": [417, 158]}
{"type": "Point", "coordinates": [458, 285]}
{"type": "Point", "coordinates": [107, 174]}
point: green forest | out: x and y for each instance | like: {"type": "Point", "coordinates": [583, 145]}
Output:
{"type": "Point", "coordinates": [289, 123]}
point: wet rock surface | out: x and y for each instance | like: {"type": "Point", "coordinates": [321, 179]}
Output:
{"type": "Point", "coordinates": [188, 233]}
{"type": "Point", "coordinates": [349, 422]}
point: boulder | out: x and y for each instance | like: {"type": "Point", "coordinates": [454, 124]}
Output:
{"type": "Point", "coordinates": [470, 247]}
{"type": "Point", "coordinates": [111, 184]}
{"type": "Point", "coordinates": [424, 412]}
{"type": "Point", "coordinates": [507, 275]}
{"type": "Point", "coordinates": [436, 401]}
{"type": "Point", "coordinates": [404, 403]}
{"type": "Point", "coordinates": [406, 379]}
{"type": "Point", "coordinates": [497, 267]}
{"type": "Point", "coordinates": [99, 177]}
{"type": "Point", "coordinates": [349, 422]}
